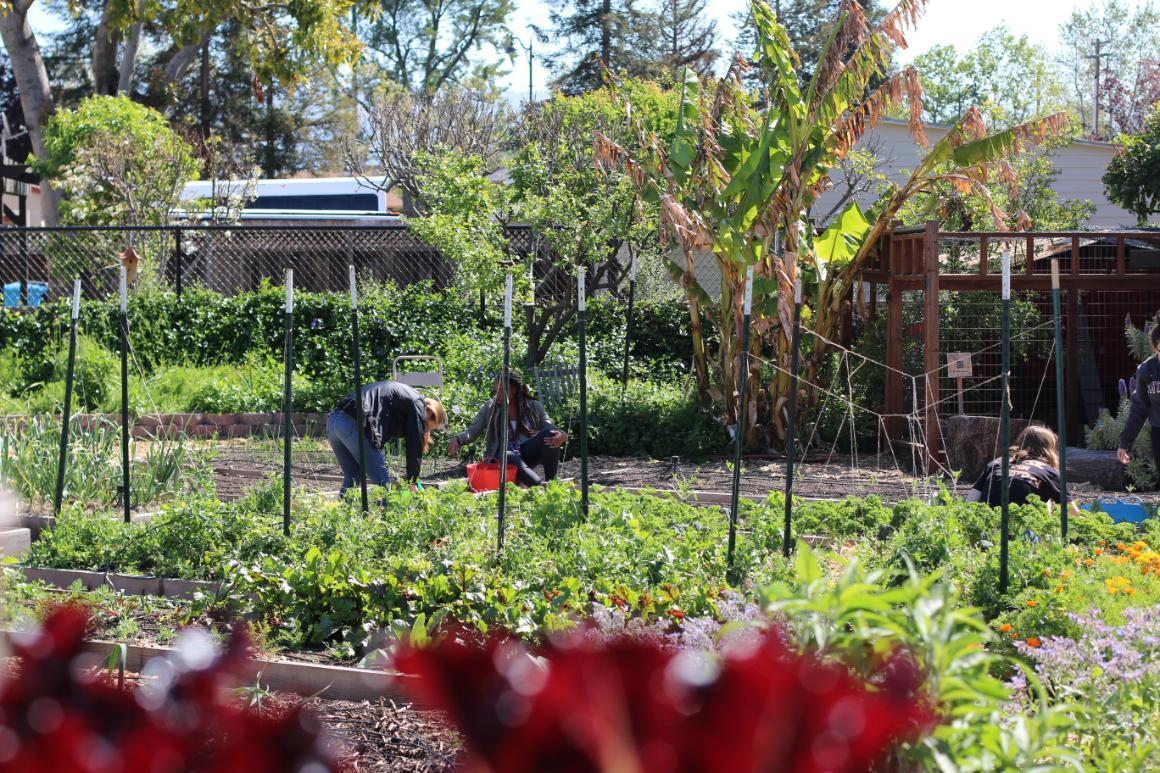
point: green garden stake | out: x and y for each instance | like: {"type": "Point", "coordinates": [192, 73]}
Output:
{"type": "Point", "coordinates": [125, 499]}
{"type": "Point", "coordinates": [1060, 399]}
{"type": "Point", "coordinates": [580, 314]}
{"type": "Point", "coordinates": [739, 436]}
{"type": "Point", "coordinates": [68, 390]}
{"type": "Point", "coordinates": [358, 394]}
{"type": "Point", "coordinates": [791, 429]}
{"type": "Point", "coordinates": [287, 402]}
{"type": "Point", "coordinates": [503, 411]}
{"type": "Point", "coordinates": [1005, 423]}
{"type": "Point", "coordinates": [628, 322]}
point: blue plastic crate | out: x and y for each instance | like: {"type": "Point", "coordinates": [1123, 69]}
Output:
{"type": "Point", "coordinates": [1126, 510]}
{"type": "Point", "coordinates": [36, 293]}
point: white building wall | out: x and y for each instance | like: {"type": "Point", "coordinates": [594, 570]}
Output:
{"type": "Point", "coordinates": [1081, 165]}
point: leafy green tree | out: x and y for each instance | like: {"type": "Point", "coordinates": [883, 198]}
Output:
{"type": "Point", "coordinates": [578, 216]}
{"type": "Point", "coordinates": [425, 45]}
{"type": "Point", "coordinates": [281, 42]}
{"type": "Point", "coordinates": [1133, 177]}
{"type": "Point", "coordinates": [592, 36]}
{"type": "Point", "coordinates": [1128, 33]}
{"type": "Point", "coordinates": [1006, 76]}
{"type": "Point", "coordinates": [117, 162]}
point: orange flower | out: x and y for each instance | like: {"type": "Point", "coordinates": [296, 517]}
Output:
{"type": "Point", "coordinates": [1014, 635]}
{"type": "Point", "coordinates": [1103, 542]}
{"type": "Point", "coordinates": [1059, 589]}
{"type": "Point", "coordinates": [1005, 627]}
{"type": "Point", "coordinates": [1099, 551]}
{"type": "Point", "coordinates": [1121, 546]}
{"type": "Point", "coordinates": [1046, 572]}
{"type": "Point", "coordinates": [1032, 603]}
{"type": "Point", "coordinates": [1033, 642]}
{"type": "Point", "coordinates": [1088, 562]}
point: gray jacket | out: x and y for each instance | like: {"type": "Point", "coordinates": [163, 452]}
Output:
{"type": "Point", "coordinates": [488, 417]}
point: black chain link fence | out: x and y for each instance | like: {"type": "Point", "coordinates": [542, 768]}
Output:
{"type": "Point", "coordinates": [39, 264]}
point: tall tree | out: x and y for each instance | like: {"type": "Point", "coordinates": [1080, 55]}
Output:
{"type": "Point", "coordinates": [1127, 33]}
{"type": "Point", "coordinates": [984, 77]}
{"type": "Point", "coordinates": [685, 37]}
{"type": "Point", "coordinates": [281, 41]}
{"type": "Point", "coordinates": [1133, 177]}
{"type": "Point", "coordinates": [591, 36]}
{"type": "Point", "coordinates": [425, 45]}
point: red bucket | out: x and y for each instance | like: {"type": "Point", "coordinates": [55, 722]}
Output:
{"type": "Point", "coordinates": [484, 476]}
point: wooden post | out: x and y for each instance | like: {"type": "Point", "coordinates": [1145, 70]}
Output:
{"type": "Point", "coordinates": [1074, 391]}
{"type": "Point", "coordinates": [931, 345]}
{"type": "Point", "coordinates": [893, 402]}
{"type": "Point", "coordinates": [1121, 262]}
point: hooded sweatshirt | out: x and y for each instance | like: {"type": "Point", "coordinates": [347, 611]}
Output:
{"type": "Point", "coordinates": [1145, 401]}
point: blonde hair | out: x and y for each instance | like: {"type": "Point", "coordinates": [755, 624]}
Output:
{"type": "Point", "coordinates": [1036, 442]}
{"type": "Point", "coordinates": [436, 419]}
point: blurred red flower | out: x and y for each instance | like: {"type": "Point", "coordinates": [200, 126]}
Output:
{"type": "Point", "coordinates": [633, 705]}
{"type": "Point", "coordinates": [59, 713]}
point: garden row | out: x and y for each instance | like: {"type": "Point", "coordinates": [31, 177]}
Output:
{"type": "Point", "coordinates": [922, 576]}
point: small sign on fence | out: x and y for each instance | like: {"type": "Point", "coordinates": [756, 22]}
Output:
{"type": "Point", "coordinates": [959, 368]}
{"type": "Point", "coordinates": [959, 365]}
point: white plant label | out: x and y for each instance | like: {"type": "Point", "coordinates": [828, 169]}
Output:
{"type": "Point", "coordinates": [289, 290]}
{"type": "Point", "coordinates": [1006, 275]}
{"type": "Point", "coordinates": [632, 269]}
{"type": "Point", "coordinates": [580, 289]}
{"type": "Point", "coordinates": [76, 303]}
{"type": "Point", "coordinates": [124, 291]}
{"type": "Point", "coordinates": [797, 291]}
{"type": "Point", "coordinates": [507, 301]}
{"type": "Point", "coordinates": [353, 290]}
{"type": "Point", "coordinates": [749, 289]}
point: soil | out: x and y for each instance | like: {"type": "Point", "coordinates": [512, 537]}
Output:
{"type": "Point", "coordinates": [240, 466]}
{"type": "Point", "coordinates": [382, 736]}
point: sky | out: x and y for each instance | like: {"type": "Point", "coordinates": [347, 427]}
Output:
{"type": "Point", "coordinates": [958, 22]}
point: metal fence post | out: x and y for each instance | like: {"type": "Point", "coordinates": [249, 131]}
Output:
{"type": "Point", "coordinates": [177, 261]}
{"type": "Point", "coordinates": [1060, 401]}
{"type": "Point", "coordinates": [791, 429]}
{"type": "Point", "coordinates": [580, 334]}
{"type": "Point", "coordinates": [287, 402]}
{"type": "Point", "coordinates": [505, 386]}
{"type": "Point", "coordinates": [125, 492]}
{"type": "Point", "coordinates": [358, 393]}
{"type": "Point", "coordinates": [742, 411]}
{"type": "Point", "coordinates": [68, 390]}
{"type": "Point", "coordinates": [1005, 423]}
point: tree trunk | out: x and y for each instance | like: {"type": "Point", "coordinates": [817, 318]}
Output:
{"type": "Point", "coordinates": [203, 85]}
{"type": "Point", "coordinates": [605, 32]}
{"type": "Point", "coordinates": [104, 63]}
{"type": "Point", "coordinates": [35, 93]}
{"type": "Point", "coordinates": [129, 60]}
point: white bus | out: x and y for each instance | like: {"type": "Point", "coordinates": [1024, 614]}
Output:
{"type": "Point", "coordinates": [317, 198]}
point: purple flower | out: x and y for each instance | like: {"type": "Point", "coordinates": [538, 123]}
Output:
{"type": "Point", "coordinates": [315, 323]}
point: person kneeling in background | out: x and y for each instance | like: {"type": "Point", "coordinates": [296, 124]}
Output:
{"type": "Point", "coordinates": [390, 410]}
{"type": "Point", "coordinates": [532, 438]}
{"type": "Point", "coordinates": [1034, 469]}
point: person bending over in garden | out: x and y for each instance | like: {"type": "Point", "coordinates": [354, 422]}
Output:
{"type": "Point", "coordinates": [390, 410]}
{"type": "Point", "coordinates": [532, 438]}
{"type": "Point", "coordinates": [1145, 404]}
{"type": "Point", "coordinates": [1034, 470]}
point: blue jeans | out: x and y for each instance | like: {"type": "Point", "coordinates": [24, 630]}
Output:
{"type": "Point", "coordinates": [343, 433]}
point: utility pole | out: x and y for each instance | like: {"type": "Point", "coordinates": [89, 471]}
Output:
{"type": "Point", "coordinates": [531, 58]}
{"type": "Point", "coordinates": [1098, 56]}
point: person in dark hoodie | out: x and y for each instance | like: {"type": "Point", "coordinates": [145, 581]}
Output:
{"type": "Point", "coordinates": [390, 410]}
{"type": "Point", "coordinates": [1145, 404]}
{"type": "Point", "coordinates": [1034, 469]}
{"type": "Point", "coordinates": [532, 437]}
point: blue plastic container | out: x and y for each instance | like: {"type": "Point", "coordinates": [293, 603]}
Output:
{"type": "Point", "coordinates": [36, 293]}
{"type": "Point", "coordinates": [1126, 510]}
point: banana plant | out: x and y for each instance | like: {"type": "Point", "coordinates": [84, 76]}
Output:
{"type": "Point", "coordinates": [742, 172]}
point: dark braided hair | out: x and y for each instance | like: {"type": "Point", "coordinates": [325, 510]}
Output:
{"type": "Point", "coordinates": [523, 395]}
